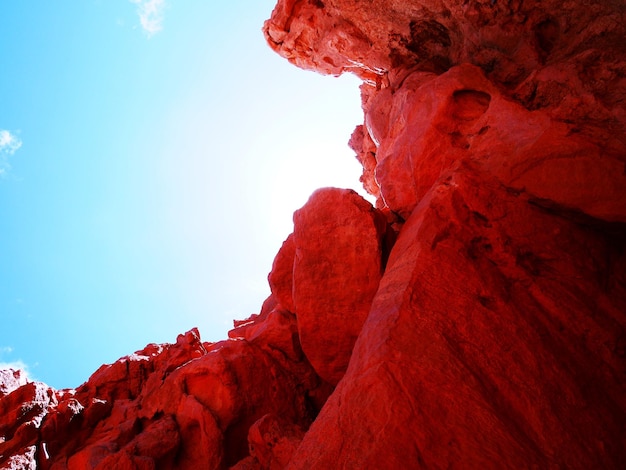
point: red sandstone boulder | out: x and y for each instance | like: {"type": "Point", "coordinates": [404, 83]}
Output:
{"type": "Point", "coordinates": [338, 262]}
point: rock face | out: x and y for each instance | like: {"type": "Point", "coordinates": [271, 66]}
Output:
{"type": "Point", "coordinates": [533, 91]}
{"type": "Point", "coordinates": [184, 405]}
{"type": "Point", "coordinates": [475, 318]}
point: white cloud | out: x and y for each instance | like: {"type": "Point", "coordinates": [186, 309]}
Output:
{"type": "Point", "coordinates": [150, 15]}
{"type": "Point", "coordinates": [9, 144]}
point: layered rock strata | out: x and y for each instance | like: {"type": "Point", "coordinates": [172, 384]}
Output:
{"type": "Point", "coordinates": [475, 318]}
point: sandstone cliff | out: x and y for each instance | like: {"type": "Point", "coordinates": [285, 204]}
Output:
{"type": "Point", "coordinates": [473, 319]}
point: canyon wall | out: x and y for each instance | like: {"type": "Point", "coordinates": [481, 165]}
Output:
{"type": "Point", "coordinates": [474, 318]}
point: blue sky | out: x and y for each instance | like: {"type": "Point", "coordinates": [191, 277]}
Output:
{"type": "Point", "coordinates": [151, 156]}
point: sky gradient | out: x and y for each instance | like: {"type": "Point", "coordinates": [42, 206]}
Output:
{"type": "Point", "coordinates": [151, 156]}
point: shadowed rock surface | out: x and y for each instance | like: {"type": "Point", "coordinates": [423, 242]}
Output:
{"type": "Point", "coordinates": [475, 318]}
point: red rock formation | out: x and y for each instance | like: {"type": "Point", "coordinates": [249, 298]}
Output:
{"type": "Point", "coordinates": [542, 108]}
{"type": "Point", "coordinates": [491, 334]}
{"type": "Point", "coordinates": [495, 340]}
{"type": "Point", "coordinates": [184, 405]}
{"type": "Point", "coordinates": [495, 131]}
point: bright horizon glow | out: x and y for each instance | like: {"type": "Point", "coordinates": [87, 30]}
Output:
{"type": "Point", "coordinates": [160, 150]}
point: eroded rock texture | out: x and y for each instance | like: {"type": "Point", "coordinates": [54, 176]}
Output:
{"type": "Point", "coordinates": [474, 319]}
{"type": "Point", "coordinates": [532, 91]}
{"type": "Point", "coordinates": [494, 134]}
{"type": "Point", "coordinates": [184, 405]}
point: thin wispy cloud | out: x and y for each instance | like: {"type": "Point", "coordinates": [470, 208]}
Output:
{"type": "Point", "coordinates": [9, 144]}
{"type": "Point", "coordinates": [150, 15]}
